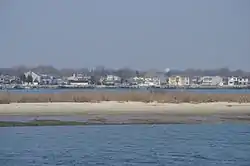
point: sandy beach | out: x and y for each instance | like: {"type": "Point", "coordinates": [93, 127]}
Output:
{"type": "Point", "coordinates": [70, 108]}
{"type": "Point", "coordinates": [133, 112]}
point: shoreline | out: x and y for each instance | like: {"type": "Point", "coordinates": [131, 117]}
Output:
{"type": "Point", "coordinates": [112, 112]}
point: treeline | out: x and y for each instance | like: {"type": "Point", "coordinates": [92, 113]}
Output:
{"type": "Point", "coordinates": [123, 72]}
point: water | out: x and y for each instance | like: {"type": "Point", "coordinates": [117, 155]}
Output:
{"type": "Point", "coordinates": [140, 145]}
{"type": "Point", "coordinates": [212, 91]}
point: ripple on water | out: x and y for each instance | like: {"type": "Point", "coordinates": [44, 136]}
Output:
{"type": "Point", "coordinates": [142, 145]}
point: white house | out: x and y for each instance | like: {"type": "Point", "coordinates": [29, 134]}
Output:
{"type": "Point", "coordinates": [243, 81]}
{"type": "Point", "coordinates": [146, 81]}
{"type": "Point", "coordinates": [152, 81]}
{"type": "Point", "coordinates": [35, 77]}
{"type": "Point", "coordinates": [232, 81]}
{"type": "Point", "coordinates": [112, 78]}
{"type": "Point", "coordinates": [211, 81]}
{"type": "Point", "coordinates": [79, 80]}
{"type": "Point", "coordinates": [78, 77]}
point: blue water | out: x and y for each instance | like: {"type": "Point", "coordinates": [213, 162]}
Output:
{"type": "Point", "coordinates": [221, 91]}
{"type": "Point", "coordinates": [140, 145]}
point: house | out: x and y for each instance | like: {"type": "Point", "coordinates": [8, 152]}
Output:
{"type": "Point", "coordinates": [145, 81]}
{"type": "Point", "coordinates": [178, 81]}
{"type": "Point", "coordinates": [155, 78]}
{"type": "Point", "coordinates": [243, 80]}
{"type": "Point", "coordinates": [48, 80]}
{"type": "Point", "coordinates": [152, 81]}
{"type": "Point", "coordinates": [7, 79]}
{"type": "Point", "coordinates": [136, 80]}
{"type": "Point", "coordinates": [62, 81]}
{"type": "Point", "coordinates": [4, 79]}
{"type": "Point", "coordinates": [79, 80]}
{"type": "Point", "coordinates": [42, 79]}
{"type": "Point", "coordinates": [35, 77]}
{"type": "Point", "coordinates": [234, 81]}
{"type": "Point", "coordinates": [111, 80]}
{"type": "Point", "coordinates": [195, 80]}
{"type": "Point", "coordinates": [211, 81]}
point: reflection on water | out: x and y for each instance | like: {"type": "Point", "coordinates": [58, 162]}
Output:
{"type": "Point", "coordinates": [140, 145]}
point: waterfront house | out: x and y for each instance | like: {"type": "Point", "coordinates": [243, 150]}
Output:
{"type": "Point", "coordinates": [35, 77]}
{"type": "Point", "coordinates": [152, 81]}
{"type": "Point", "coordinates": [243, 80]}
{"type": "Point", "coordinates": [211, 81]}
{"type": "Point", "coordinates": [79, 80]}
{"type": "Point", "coordinates": [4, 79]}
{"type": "Point", "coordinates": [234, 81]}
{"type": "Point", "coordinates": [62, 81]}
{"type": "Point", "coordinates": [112, 80]}
{"type": "Point", "coordinates": [155, 78]}
{"type": "Point", "coordinates": [195, 80]}
{"type": "Point", "coordinates": [145, 81]}
{"type": "Point", "coordinates": [47, 80]}
{"type": "Point", "coordinates": [136, 80]}
{"type": "Point", "coordinates": [178, 81]}
{"type": "Point", "coordinates": [8, 79]}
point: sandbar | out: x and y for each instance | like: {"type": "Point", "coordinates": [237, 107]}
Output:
{"type": "Point", "coordinates": [113, 112]}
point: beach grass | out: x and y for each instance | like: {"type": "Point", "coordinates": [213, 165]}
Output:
{"type": "Point", "coordinates": [146, 97]}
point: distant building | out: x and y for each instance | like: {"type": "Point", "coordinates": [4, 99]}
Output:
{"type": "Point", "coordinates": [211, 81]}
{"type": "Point", "coordinates": [7, 79]}
{"type": "Point", "coordinates": [79, 80]}
{"type": "Point", "coordinates": [234, 81]}
{"type": "Point", "coordinates": [35, 77]}
{"type": "Point", "coordinates": [151, 81]}
{"type": "Point", "coordinates": [111, 80]}
{"type": "Point", "coordinates": [243, 80]}
{"type": "Point", "coordinates": [145, 81]}
{"type": "Point", "coordinates": [41, 79]}
{"type": "Point", "coordinates": [48, 80]}
{"type": "Point", "coordinates": [195, 80]}
{"type": "Point", "coordinates": [179, 81]}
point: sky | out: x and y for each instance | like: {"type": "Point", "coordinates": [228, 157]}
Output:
{"type": "Point", "coordinates": [140, 34]}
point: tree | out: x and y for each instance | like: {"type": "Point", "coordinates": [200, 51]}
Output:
{"type": "Point", "coordinates": [29, 79]}
{"type": "Point", "coordinates": [23, 78]}
{"type": "Point", "coordinates": [177, 80]}
{"type": "Point", "coordinates": [92, 80]}
{"type": "Point", "coordinates": [137, 73]}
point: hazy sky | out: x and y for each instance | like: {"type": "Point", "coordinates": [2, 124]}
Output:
{"type": "Point", "coordinates": [141, 34]}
